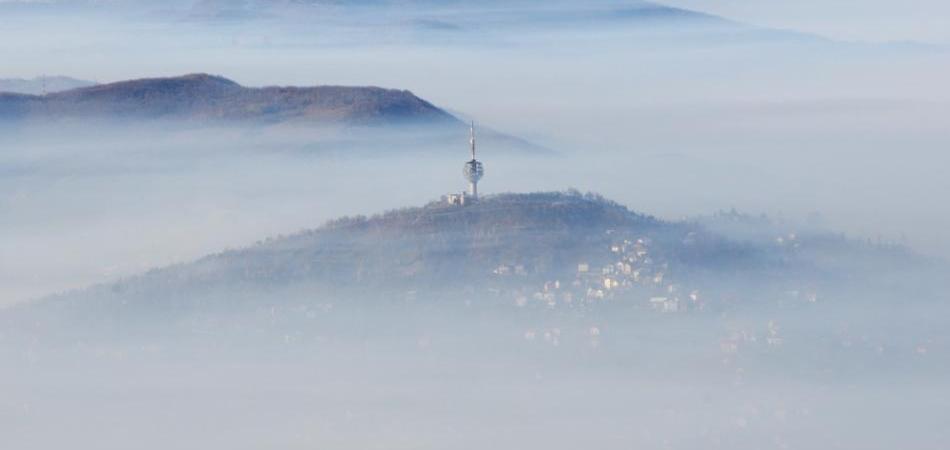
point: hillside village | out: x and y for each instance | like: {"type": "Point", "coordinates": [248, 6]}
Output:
{"type": "Point", "coordinates": [632, 275]}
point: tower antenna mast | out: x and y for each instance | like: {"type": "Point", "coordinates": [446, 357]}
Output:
{"type": "Point", "coordinates": [472, 139]}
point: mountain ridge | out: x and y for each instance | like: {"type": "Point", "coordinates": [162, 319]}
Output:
{"type": "Point", "coordinates": [202, 96]}
{"type": "Point", "coordinates": [546, 233]}
{"type": "Point", "coordinates": [549, 252]}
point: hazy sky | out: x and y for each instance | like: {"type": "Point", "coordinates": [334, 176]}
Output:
{"type": "Point", "coordinates": [868, 20]}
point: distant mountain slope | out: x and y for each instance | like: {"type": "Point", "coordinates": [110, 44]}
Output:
{"type": "Point", "coordinates": [207, 97]}
{"type": "Point", "coordinates": [41, 85]}
{"type": "Point", "coordinates": [385, 22]}
{"type": "Point", "coordinates": [457, 18]}
{"type": "Point", "coordinates": [460, 19]}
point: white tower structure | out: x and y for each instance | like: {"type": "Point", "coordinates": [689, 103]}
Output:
{"type": "Point", "coordinates": [473, 169]}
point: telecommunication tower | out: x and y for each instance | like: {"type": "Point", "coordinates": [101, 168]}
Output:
{"type": "Point", "coordinates": [473, 170]}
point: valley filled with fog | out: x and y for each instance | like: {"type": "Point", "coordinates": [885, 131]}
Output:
{"type": "Point", "coordinates": [760, 262]}
{"type": "Point", "coordinates": [92, 208]}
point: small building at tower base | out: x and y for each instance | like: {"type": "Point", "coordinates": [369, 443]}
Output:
{"type": "Point", "coordinates": [457, 199]}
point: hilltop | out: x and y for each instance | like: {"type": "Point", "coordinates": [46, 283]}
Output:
{"type": "Point", "coordinates": [567, 250]}
{"type": "Point", "coordinates": [432, 245]}
{"type": "Point", "coordinates": [203, 97]}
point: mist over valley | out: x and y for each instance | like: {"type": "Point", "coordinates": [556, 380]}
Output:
{"type": "Point", "coordinates": [418, 224]}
